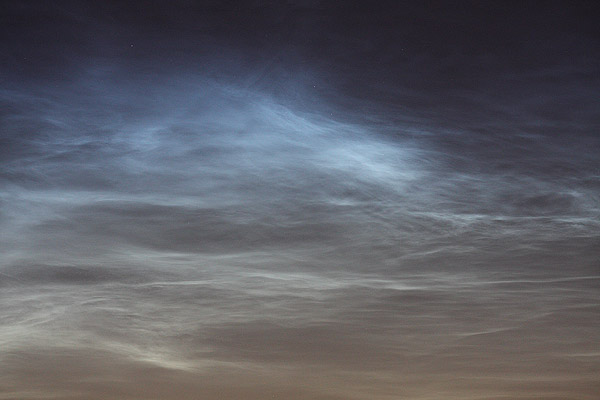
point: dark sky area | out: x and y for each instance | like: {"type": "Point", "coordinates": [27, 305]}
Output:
{"type": "Point", "coordinates": [299, 200]}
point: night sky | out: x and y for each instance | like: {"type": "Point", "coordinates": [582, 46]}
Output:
{"type": "Point", "coordinates": [299, 200]}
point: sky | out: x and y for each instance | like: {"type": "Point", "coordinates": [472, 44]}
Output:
{"type": "Point", "coordinates": [299, 200]}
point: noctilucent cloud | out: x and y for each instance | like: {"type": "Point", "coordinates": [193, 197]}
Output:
{"type": "Point", "coordinates": [299, 200]}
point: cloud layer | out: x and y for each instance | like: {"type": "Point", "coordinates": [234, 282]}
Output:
{"type": "Point", "coordinates": [299, 202]}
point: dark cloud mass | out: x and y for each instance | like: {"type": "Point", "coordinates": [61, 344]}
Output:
{"type": "Point", "coordinates": [299, 200]}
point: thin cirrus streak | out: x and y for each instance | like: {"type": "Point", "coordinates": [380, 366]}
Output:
{"type": "Point", "coordinates": [187, 214]}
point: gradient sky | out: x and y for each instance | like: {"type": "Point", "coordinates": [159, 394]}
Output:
{"type": "Point", "coordinates": [299, 200]}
